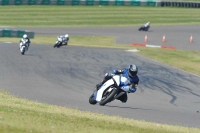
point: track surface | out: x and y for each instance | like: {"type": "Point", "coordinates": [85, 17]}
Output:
{"type": "Point", "coordinates": [67, 76]}
{"type": "Point", "coordinates": [176, 36]}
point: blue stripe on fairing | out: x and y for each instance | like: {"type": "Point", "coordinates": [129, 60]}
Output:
{"type": "Point", "coordinates": [119, 80]}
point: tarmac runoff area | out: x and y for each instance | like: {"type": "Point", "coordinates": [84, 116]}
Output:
{"type": "Point", "coordinates": [67, 76]}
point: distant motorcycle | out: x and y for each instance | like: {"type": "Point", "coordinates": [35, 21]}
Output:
{"type": "Point", "coordinates": [60, 42]}
{"type": "Point", "coordinates": [143, 28]}
{"type": "Point", "coordinates": [109, 91]}
{"type": "Point", "coordinates": [23, 46]}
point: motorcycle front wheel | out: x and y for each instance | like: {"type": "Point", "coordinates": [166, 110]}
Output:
{"type": "Point", "coordinates": [108, 97]}
{"type": "Point", "coordinates": [23, 51]}
{"type": "Point", "coordinates": [91, 100]}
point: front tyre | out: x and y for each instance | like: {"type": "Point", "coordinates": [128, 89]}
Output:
{"type": "Point", "coordinates": [140, 29]}
{"type": "Point", "coordinates": [23, 51]}
{"type": "Point", "coordinates": [91, 100]}
{"type": "Point", "coordinates": [109, 97]}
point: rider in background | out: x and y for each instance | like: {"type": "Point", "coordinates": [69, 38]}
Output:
{"type": "Point", "coordinates": [65, 39]}
{"type": "Point", "coordinates": [147, 24]}
{"type": "Point", "coordinates": [130, 87]}
{"type": "Point", "coordinates": [25, 37]}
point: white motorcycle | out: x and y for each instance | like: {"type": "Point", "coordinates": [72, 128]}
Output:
{"type": "Point", "coordinates": [109, 91]}
{"type": "Point", "coordinates": [23, 46]}
{"type": "Point", "coordinates": [144, 28]}
{"type": "Point", "coordinates": [60, 42]}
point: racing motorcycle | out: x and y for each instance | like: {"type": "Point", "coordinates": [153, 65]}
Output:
{"type": "Point", "coordinates": [60, 42]}
{"type": "Point", "coordinates": [143, 28]}
{"type": "Point", "coordinates": [109, 91]}
{"type": "Point", "coordinates": [23, 46]}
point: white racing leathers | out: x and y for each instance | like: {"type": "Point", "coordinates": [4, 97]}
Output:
{"type": "Point", "coordinates": [23, 45]}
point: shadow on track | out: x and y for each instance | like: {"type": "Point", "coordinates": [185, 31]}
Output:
{"type": "Point", "coordinates": [128, 108]}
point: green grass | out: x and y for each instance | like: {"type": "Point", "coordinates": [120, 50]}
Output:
{"type": "Point", "coordinates": [18, 115]}
{"type": "Point", "coordinates": [190, 60]}
{"type": "Point", "coordinates": [22, 116]}
{"type": "Point", "coordinates": [59, 16]}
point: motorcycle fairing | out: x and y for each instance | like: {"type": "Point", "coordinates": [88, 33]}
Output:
{"type": "Point", "coordinates": [124, 81]}
{"type": "Point", "coordinates": [98, 95]}
{"type": "Point", "coordinates": [100, 92]}
{"type": "Point", "coordinates": [22, 45]}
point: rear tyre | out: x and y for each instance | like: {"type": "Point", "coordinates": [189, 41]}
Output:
{"type": "Point", "coordinates": [91, 100]}
{"type": "Point", "coordinates": [109, 97]}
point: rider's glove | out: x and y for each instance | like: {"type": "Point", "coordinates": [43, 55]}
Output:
{"type": "Point", "coordinates": [109, 75]}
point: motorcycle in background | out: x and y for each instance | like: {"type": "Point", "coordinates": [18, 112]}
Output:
{"type": "Point", "coordinates": [23, 46]}
{"type": "Point", "coordinates": [58, 42]}
{"type": "Point", "coordinates": [143, 28]}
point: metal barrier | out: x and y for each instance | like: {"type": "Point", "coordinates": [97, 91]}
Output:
{"type": "Point", "coordinates": [180, 4]}
{"type": "Point", "coordinates": [80, 2]}
{"type": "Point", "coordinates": [163, 3]}
{"type": "Point", "coordinates": [15, 33]}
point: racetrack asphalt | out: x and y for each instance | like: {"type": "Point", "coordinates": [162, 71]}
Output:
{"type": "Point", "coordinates": [67, 76]}
{"type": "Point", "coordinates": [176, 36]}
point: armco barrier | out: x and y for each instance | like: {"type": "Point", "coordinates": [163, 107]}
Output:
{"type": "Point", "coordinates": [15, 33]}
{"type": "Point", "coordinates": [180, 4]}
{"type": "Point", "coordinates": [103, 2]}
{"type": "Point", "coordinates": [80, 2]}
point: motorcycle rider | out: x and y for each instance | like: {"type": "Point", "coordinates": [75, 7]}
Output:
{"type": "Point", "coordinates": [147, 24]}
{"type": "Point", "coordinates": [131, 74]}
{"type": "Point", "coordinates": [64, 38]}
{"type": "Point", "coordinates": [25, 37]}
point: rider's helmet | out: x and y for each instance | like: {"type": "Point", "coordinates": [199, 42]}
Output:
{"type": "Point", "coordinates": [25, 36]}
{"type": "Point", "coordinates": [66, 35]}
{"type": "Point", "coordinates": [132, 70]}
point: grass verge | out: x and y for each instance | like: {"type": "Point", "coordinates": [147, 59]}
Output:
{"type": "Point", "coordinates": [62, 16]}
{"type": "Point", "coordinates": [190, 60]}
{"type": "Point", "coordinates": [20, 116]}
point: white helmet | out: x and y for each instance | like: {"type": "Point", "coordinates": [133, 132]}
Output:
{"type": "Point", "coordinates": [66, 35]}
{"type": "Point", "coordinates": [25, 36]}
